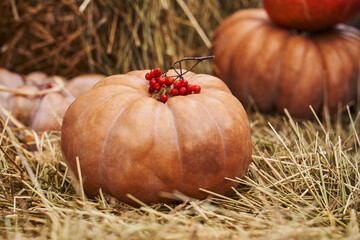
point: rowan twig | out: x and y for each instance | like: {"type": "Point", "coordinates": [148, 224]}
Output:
{"type": "Point", "coordinates": [198, 59]}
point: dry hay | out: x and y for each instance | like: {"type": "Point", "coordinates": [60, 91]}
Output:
{"type": "Point", "coordinates": [106, 36]}
{"type": "Point", "coordinates": [304, 183]}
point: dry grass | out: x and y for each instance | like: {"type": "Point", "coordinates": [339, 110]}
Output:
{"type": "Point", "coordinates": [107, 36]}
{"type": "Point", "coordinates": [304, 183]}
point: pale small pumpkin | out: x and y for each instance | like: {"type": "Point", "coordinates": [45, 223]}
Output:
{"type": "Point", "coordinates": [280, 69]}
{"type": "Point", "coordinates": [8, 80]}
{"type": "Point", "coordinates": [31, 103]}
{"type": "Point", "coordinates": [39, 112]}
{"type": "Point", "coordinates": [36, 78]}
{"type": "Point", "coordinates": [83, 83]}
{"type": "Point", "coordinates": [130, 143]}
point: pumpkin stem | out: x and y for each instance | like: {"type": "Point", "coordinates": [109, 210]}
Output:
{"type": "Point", "coordinates": [164, 90]}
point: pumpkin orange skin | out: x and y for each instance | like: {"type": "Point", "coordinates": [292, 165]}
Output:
{"type": "Point", "coordinates": [311, 15]}
{"type": "Point", "coordinates": [280, 69]}
{"type": "Point", "coordinates": [128, 142]}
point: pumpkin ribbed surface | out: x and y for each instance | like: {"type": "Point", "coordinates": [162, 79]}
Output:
{"type": "Point", "coordinates": [280, 69]}
{"type": "Point", "coordinates": [128, 142]}
{"type": "Point", "coordinates": [311, 15]}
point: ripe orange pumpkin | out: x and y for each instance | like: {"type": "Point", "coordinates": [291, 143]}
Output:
{"type": "Point", "coordinates": [128, 142]}
{"type": "Point", "coordinates": [311, 15]}
{"type": "Point", "coordinates": [280, 69]}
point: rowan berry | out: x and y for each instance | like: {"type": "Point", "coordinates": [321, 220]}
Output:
{"type": "Point", "coordinates": [182, 91]}
{"type": "Point", "coordinates": [163, 98]}
{"type": "Point", "coordinates": [157, 72]}
{"type": "Point", "coordinates": [189, 88]}
{"type": "Point", "coordinates": [196, 88]}
{"type": "Point", "coordinates": [152, 82]}
{"type": "Point", "coordinates": [184, 83]}
{"type": "Point", "coordinates": [174, 92]}
{"type": "Point", "coordinates": [177, 84]}
{"type": "Point", "coordinates": [147, 76]}
{"type": "Point", "coordinates": [157, 86]}
{"type": "Point", "coordinates": [169, 81]}
{"type": "Point", "coordinates": [161, 80]}
{"type": "Point", "coordinates": [151, 89]}
{"type": "Point", "coordinates": [152, 73]}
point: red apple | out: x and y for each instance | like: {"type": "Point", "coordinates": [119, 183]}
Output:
{"type": "Point", "coordinates": [311, 15]}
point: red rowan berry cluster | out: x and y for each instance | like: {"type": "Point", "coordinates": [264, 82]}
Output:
{"type": "Point", "coordinates": [165, 87]}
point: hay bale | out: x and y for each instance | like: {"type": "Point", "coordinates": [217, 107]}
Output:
{"type": "Point", "coordinates": [107, 36]}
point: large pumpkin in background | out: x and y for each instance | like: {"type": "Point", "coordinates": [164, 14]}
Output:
{"type": "Point", "coordinates": [311, 15]}
{"type": "Point", "coordinates": [278, 68]}
{"type": "Point", "coordinates": [128, 142]}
